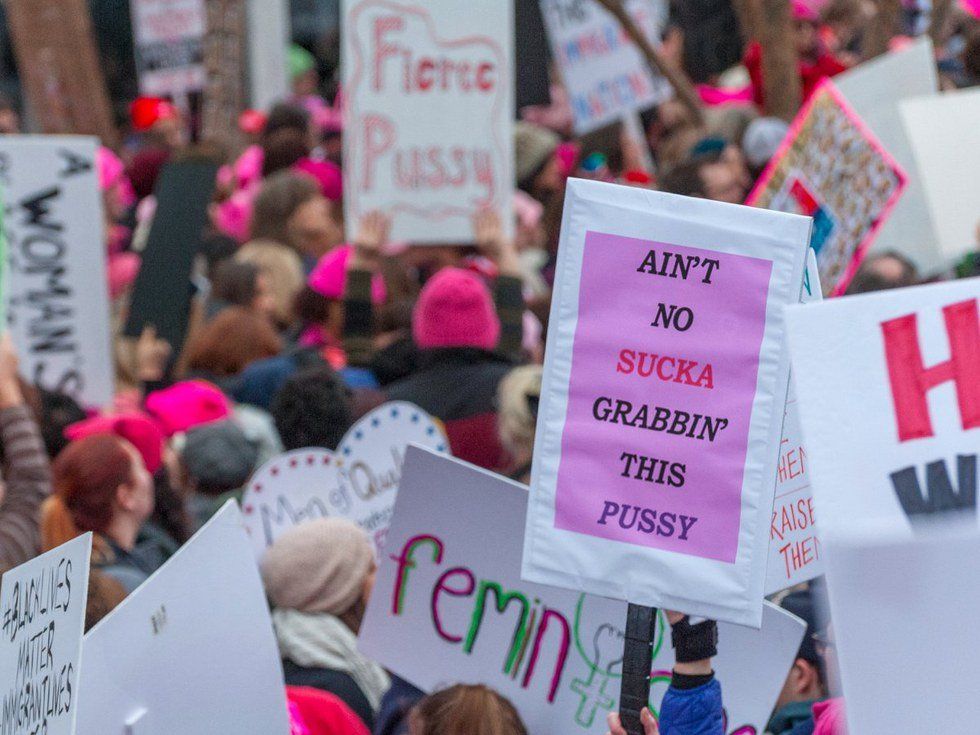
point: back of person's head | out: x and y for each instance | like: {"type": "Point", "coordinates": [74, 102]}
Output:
{"type": "Point", "coordinates": [236, 283]}
{"type": "Point", "coordinates": [104, 595]}
{"type": "Point", "coordinates": [217, 249]}
{"type": "Point", "coordinates": [455, 310]}
{"type": "Point", "coordinates": [883, 271]}
{"type": "Point", "coordinates": [281, 195]}
{"type": "Point", "coordinates": [86, 477]}
{"type": "Point", "coordinates": [806, 680]}
{"type": "Point", "coordinates": [235, 338]}
{"type": "Point", "coordinates": [282, 268]}
{"type": "Point", "coordinates": [518, 397]}
{"type": "Point", "coordinates": [312, 409]}
{"type": "Point", "coordinates": [685, 180]}
{"type": "Point", "coordinates": [218, 457]}
{"type": "Point", "coordinates": [54, 413]}
{"type": "Point", "coordinates": [284, 116]}
{"type": "Point", "coordinates": [466, 709]}
{"type": "Point", "coordinates": [284, 149]}
{"type": "Point", "coordinates": [321, 566]}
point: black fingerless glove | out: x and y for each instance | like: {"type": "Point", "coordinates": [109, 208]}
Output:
{"type": "Point", "coordinates": [694, 642]}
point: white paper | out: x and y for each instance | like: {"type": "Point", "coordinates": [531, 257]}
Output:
{"type": "Point", "coordinates": [690, 582]}
{"type": "Point", "coordinates": [874, 90]}
{"type": "Point", "coordinates": [852, 428]}
{"type": "Point", "coordinates": [908, 662]}
{"type": "Point", "coordinates": [456, 523]}
{"type": "Point", "coordinates": [945, 137]}
{"type": "Point", "coordinates": [193, 646]}
{"type": "Point", "coordinates": [429, 93]}
{"type": "Point", "coordinates": [795, 549]}
{"type": "Point", "coordinates": [58, 305]}
{"type": "Point", "coordinates": [359, 483]}
{"type": "Point", "coordinates": [42, 618]}
{"type": "Point", "coordinates": [169, 40]}
{"type": "Point", "coordinates": [604, 72]}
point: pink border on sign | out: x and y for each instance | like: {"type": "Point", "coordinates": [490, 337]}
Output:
{"type": "Point", "coordinates": [827, 86]}
{"type": "Point", "coordinates": [433, 212]}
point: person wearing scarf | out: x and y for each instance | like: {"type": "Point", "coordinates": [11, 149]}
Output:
{"type": "Point", "coordinates": [318, 577]}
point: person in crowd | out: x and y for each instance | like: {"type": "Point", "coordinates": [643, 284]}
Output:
{"type": "Point", "coordinates": [518, 397]}
{"type": "Point", "coordinates": [282, 269]}
{"type": "Point", "coordinates": [883, 271]}
{"type": "Point", "coordinates": [538, 170]}
{"type": "Point", "coordinates": [291, 209]}
{"type": "Point", "coordinates": [26, 478]}
{"type": "Point", "coordinates": [316, 712]}
{"type": "Point", "coordinates": [235, 338]}
{"type": "Point", "coordinates": [816, 61]}
{"type": "Point", "coordinates": [708, 177]}
{"type": "Point", "coordinates": [319, 576]}
{"type": "Point", "coordinates": [241, 284]}
{"type": "Point", "coordinates": [104, 596]}
{"type": "Point", "coordinates": [761, 142]}
{"type": "Point", "coordinates": [53, 412]}
{"type": "Point", "coordinates": [692, 704]}
{"type": "Point", "coordinates": [465, 709]}
{"type": "Point", "coordinates": [102, 485]}
{"type": "Point", "coordinates": [313, 408]}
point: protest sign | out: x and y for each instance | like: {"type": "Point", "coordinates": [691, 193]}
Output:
{"type": "Point", "coordinates": [162, 291]}
{"type": "Point", "coordinates": [429, 109]}
{"type": "Point", "coordinates": [663, 502]}
{"type": "Point", "coordinates": [59, 67]}
{"type": "Point", "coordinates": [449, 606]}
{"type": "Point", "coordinates": [905, 646]}
{"type": "Point", "coordinates": [268, 40]}
{"type": "Point", "coordinates": [873, 90]}
{"type": "Point", "coordinates": [794, 547]}
{"type": "Point", "coordinates": [152, 664]}
{"type": "Point", "coordinates": [57, 300]}
{"type": "Point", "coordinates": [604, 72]}
{"type": "Point", "coordinates": [946, 140]}
{"type": "Point", "coordinates": [42, 614]}
{"type": "Point", "coordinates": [888, 386]}
{"type": "Point", "coordinates": [832, 168]}
{"type": "Point", "coordinates": [169, 40]}
{"type": "Point", "coordinates": [360, 482]}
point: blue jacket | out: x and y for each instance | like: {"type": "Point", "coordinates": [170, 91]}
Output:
{"type": "Point", "coordinates": [695, 711]}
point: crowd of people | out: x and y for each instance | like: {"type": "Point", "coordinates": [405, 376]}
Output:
{"type": "Point", "coordinates": [295, 334]}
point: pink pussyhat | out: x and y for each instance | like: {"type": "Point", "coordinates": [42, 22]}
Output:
{"type": "Point", "coordinates": [121, 269]}
{"type": "Point", "coordinates": [137, 428]}
{"type": "Point", "coordinates": [972, 7]}
{"type": "Point", "coordinates": [326, 174]}
{"type": "Point", "coordinates": [330, 275]}
{"type": "Point", "coordinates": [233, 216]}
{"type": "Point", "coordinates": [185, 405]}
{"type": "Point", "coordinates": [803, 11]}
{"type": "Point", "coordinates": [112, 173]}
{"type": "Point", "coordinates": [455, 309]}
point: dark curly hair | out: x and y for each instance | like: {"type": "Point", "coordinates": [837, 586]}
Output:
{"type": "Point", "coordinates": [313, 408]}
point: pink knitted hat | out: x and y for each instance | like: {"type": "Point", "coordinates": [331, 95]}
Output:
{"type": "Point", "coordinates": [121, 270]}
{"type": "Point", "coordinates": [330, 274]}
{"type": "Point", "coordinates": [803, 11]}
{"type": "Point", "coordinates": [455, 310]}
{"type": "Point", "coordinates": [326, 174]}
{"type": "Point", "coordinates": [185, 405]}
{"type": "Point", "coordinates": [137, 428]}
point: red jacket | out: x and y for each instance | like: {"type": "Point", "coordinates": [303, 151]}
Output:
{"type": "Point", "coordinates": [811, 72]}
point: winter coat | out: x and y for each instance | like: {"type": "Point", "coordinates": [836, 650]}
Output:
{"type": "Point", "coordinates": [696, 711]}
{"type": "Point", "coordinates": [338, 683]}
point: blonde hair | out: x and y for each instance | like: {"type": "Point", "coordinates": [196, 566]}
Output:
{"type": "Point", "coordinates": [284, 270]}
{"type": "Point", "coordinates": [515, 420]}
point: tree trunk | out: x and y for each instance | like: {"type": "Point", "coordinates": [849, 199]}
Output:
{"type": "Point", "coordinates": [884, 26]}
{"type": "Point", "coordinates": [225, 51]}
{"type": "Point", "coordinates": [678, 79]}
{"type": "Point", "coordinates": [748, 19]}
{"type": "Point", "coordinates": [780, 61]}
{"type": "Point", "coordinates": [940, 20]}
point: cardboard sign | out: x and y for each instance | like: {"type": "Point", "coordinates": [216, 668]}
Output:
{"type": "Point", "coordinates": [57, 297]}
{"type": "Point", "coordinates": [192, 650]}
{"type": "Point", "coordinates": [429, 114]}
{"type": "Point", "coordinates": [832, 168]}
{"type": "Point", "coordinates": [604, 72]}
{"type": "Point", "coordinates": [901, 608]}
{"type": "Point", "coordinates": [795, 553]}
{"type": "Point", "coordinates": [449, 606]}
{"type": "Point", "coordinates": [162, 291]}
{"type": "Point", "coordinates": [360, 482]}
{"type": "Point", "coordinates": [874, 90]}
{"type": "Point", "coordinates": [661, 407]}
{"type": "Point", "coordinates": [948, 170]}
{"type": "Point", "coordinates": [889, 394]}
{"type": "Point", "coordinates": [42, 618]}
{"type": "Point", "coordinates": [169, 40]}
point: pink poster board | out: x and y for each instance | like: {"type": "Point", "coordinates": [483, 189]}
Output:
{"type": "Point", "coordinates": [831, 167]}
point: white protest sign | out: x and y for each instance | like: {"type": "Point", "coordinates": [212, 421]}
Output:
{"type": "Point", "coordinates": [449, 606]}
{"type": "Point", "coordinates": [794, 547]}
{"type": "Point", "coordinates": [946, 139]}
{"type": "Point", "coordinates": [58, 301]}
{"type": "Point", "coordinates": [169, 40]}
{"type": "Point", "coordinates": [604, 72]}
{"type": "Point", "coordinates": [902, 610]}
{"type": "Point", "coordinates": [873, 90]}
{"type": "Point", "coordinates": [429, 110]}
{"type": "Point", "coordinates": [192, 651]}
{"type": "Point", "coordinates": [360, 482]}
{"type": "Point", "coordinates": [42, 613]}
{"type": "Point", "coordinates": [888, 386]}
{"type": "Point", "coordinates": [662, 402]}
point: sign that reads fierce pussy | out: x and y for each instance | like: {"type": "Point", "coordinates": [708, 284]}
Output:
{"type": "Point", "coordinates": [661, 408]}
{"type": "Point", "coordinates": [429, 110]}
